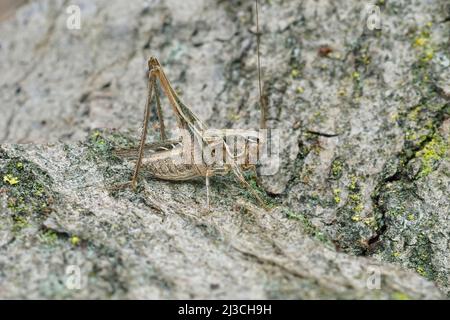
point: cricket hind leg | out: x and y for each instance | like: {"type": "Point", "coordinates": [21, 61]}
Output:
{"type": "Point", "coordinates": [151, 87]}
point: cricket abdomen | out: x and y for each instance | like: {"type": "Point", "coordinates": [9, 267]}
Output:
{"type": "Point", "coordinates": [167, 169]}
{"type": "Point", "coordinates": [160, 161]}
{"type": "Point", "coordinates": [167, 164]}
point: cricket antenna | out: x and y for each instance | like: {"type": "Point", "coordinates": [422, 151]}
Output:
{"type": "Point", "coordinates": [262, 124]}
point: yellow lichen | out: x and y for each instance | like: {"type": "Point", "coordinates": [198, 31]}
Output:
{"type": "Point", "coordinates": [432, 152]}
{"type": "Point", "coordinates": [420, 42]}
{"type": "Point", "coordinates": [295, 73]}
{"type": "Point", "coordinates": [427, 55]}
{"type": "Point", "coordinates": [342, 92]}
{"type": "Point", "coordinates": [336, 55]}
{"type": "Point", "coordinates": [413, 115]}
{"type": "Point", "coordinates": [424, 46]}
{"type": "Point", "coordinates": [9, 178]}
{"type": "Point", "coordinates": [20, 223]}
{"type": "Point", "coordinates": [394, 117]}
{"type": "Point", "coordinates": [353, 183]}
{"type": "Point", "coordinates": [337, 197]}
{"type": "Point", "coordinates": [421, 271]}
{"type": "Point", "coordinates": [74, 240]}
{"type": "Point", "coordinates": [371, 222]}
{"type": "Point", "coordinates": [232, 116]}
{"type": "Point", "coordinates": [336, 168]}
{"type": "Point", "coordinates": [359, 207]}
{"type": "Point", "coordinates": [365, 59]}
{"type": "Point", "coordinates": [400, 296]}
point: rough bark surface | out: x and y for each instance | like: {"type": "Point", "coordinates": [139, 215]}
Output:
{"type": "Point", "coordinates": [362, 195]}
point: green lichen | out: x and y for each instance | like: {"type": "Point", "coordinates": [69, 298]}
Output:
{"type": "Point", "coordinates": [413, 115]}
{"type": "Point", "coordinates": [421, 258]}
{"type": "Point", "coordinates": [100, 147]}
{"type": "Point", "coordinates": [48, 237]}
{"type": "Point", "coordinates": [353, 224]}
{"type": "Point", "coordinates": [395, 212]}
{"type": "Point", "coordinates": [27, 189]}
{"type": "Point", "coordinates": [252, 180]}
{"type": "Point", "coordinates": [309, 228]}
{"type": "Point", "coordinates": [101, 143]}
{"type": "Point", "coordinates": [20, 223]}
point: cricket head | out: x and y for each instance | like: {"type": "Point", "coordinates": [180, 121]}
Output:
{"type": "Point", "coordinates": [152, 63]}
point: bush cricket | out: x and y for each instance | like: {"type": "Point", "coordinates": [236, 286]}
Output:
{"type": "Point", "coordinates": [157, 158]}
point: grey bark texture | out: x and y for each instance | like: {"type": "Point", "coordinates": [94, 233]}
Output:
{"type": "Point", "coordinates": [359, 208]}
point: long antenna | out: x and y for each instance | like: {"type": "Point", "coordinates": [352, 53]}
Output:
{"type": "Point", "coordinates": [261, 100]}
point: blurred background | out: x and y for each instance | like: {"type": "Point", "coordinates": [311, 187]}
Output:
{"type": "Point", "coordinates": [8, 8]}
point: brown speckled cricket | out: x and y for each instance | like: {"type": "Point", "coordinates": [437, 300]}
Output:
{"type": "Point", "coordinates": [157, 158]}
